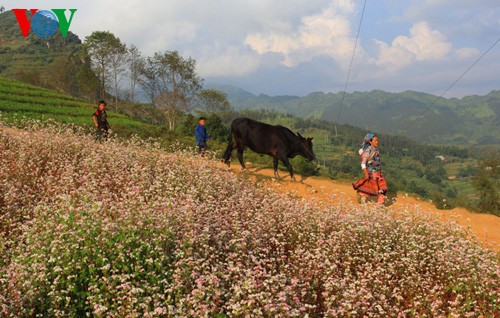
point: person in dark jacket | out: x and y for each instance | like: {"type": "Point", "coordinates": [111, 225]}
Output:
{"type": "Point", "coordinates": [101, 121]}
{"type": "Point", "coordinates": [201, 136]}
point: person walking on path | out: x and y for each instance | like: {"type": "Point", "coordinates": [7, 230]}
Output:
{"type": "Point", "coordinates": [201, 136]}
{"type": "Point", "coordinates": [373, 183]}
{"type": "Point", "coordinates": [101, 121]}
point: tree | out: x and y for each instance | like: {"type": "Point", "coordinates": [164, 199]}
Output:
{"type": "Point", "coordinates": [135, 65]}
{"type": "Point", "coordinates": [435, 174]}
{"type": "Point", "coordinates": [214, 101]}
{"type": "Point", "coordinates": [486, 184]}
{"type": "Point", "coordinates": [170, 81]}
{"type": "Point", "coordinates": [117, 59]}
{"type": "Point", "coordinates": [171, 105]}
{"type": "Point", "coordinates": [61, 74]}
{"type": "Point", "coordinates": [148, 79]}
{"type": "Point", "coordinates": [104, 49]}
{"type": "Point", "coordinates": [86, 80]}
{"type": "Point", "coordinates": [87, 83]}
{"type": "Point", "coordinates": [67, 73]}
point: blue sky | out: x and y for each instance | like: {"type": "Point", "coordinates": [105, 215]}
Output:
{"type": "Point", "coordinates": [296, 47]}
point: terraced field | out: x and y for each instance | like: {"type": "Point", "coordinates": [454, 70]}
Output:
{"type": "Point", "coordinates": [20, 101]}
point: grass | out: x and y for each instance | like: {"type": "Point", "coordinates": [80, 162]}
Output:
{"type": "Point", "coordinates": [20, 102]}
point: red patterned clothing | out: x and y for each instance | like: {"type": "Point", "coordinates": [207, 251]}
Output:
{"type": "Point", "coordinates": [375, 184]}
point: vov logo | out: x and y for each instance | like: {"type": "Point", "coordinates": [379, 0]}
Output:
{"type": "Point", "coordinates": [44, 23]}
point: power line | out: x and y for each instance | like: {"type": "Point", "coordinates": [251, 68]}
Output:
{"type": "Point", "coordinates": [452, 84]}
{"type": "Point", "coordinates": [350, 66]}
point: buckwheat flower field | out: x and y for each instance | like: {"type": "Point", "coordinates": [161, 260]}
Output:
{"type": "Point", "coordinates": [125, 229]}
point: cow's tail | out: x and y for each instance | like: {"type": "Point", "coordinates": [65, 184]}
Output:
{"type": "Point", "coordinates": [227, 154]}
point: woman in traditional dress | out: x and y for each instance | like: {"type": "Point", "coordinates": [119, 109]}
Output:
{"type": "Point", "coordinates": [373, 183]}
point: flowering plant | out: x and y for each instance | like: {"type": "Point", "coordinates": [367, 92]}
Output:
{"type": "Point", "coordinates": [127, 229]}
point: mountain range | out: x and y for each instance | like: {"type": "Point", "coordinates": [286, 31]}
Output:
{"type": "Point", "coordinates": [471, 120]}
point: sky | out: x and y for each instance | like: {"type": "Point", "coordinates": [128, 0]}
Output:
{"type": "Point", "coordinates": [296, 47]}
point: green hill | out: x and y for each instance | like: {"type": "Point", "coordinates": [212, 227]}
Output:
{"type": "Point", "coordinates": [20, 101]}
{"type": "Point", "coordinates": [57, 63]}
{"type": "Point", "coordinates": [19, 54]}
{"type": "Point", "coordinates": [472, 120]}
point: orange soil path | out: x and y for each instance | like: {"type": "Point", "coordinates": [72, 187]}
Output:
{"type": "Point", "coordinates": [485, 226]}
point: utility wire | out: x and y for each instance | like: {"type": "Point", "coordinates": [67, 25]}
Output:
{"type": "Point", "coordinates": [452, 84]}
{"type": "Point", "coordinates": [350, 66]}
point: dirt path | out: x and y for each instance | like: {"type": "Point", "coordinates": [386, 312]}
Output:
{"type": "Point", "coordinates": [485, 226]}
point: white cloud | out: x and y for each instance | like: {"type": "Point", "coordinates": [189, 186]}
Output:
{"type": "Point", "coordinates": [392, 57]}
{"type": "Point", "coordinates": [467, 52]}
{"type": "Point", "coordinates": [325, 34]}
{"type": "Point", "coordinates": [221, 61]}
{"type": "Point", "coordinates": [423, 44]}
{"type": "Point", "coordinates": [288, 46]}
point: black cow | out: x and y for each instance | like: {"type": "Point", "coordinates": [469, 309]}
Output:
{"type": "Point", "coordinates": [277, 141]}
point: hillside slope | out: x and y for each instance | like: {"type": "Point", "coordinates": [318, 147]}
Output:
{"type": "Point", "coordinates": [485, 227]}
{"type": "Point", "coordinates": [19, 101]}
{"type": "Point", "coordinates": [472, 120]}
{"type": "Point", "coordinates": [125, 229]}
{"type": "Point", "coordinates": [19, 55]}
{"type": "Point", "coordinates": [409, 166]}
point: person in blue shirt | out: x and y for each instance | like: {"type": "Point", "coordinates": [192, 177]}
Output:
{"type": "Point", "coordinates": [201, 136]}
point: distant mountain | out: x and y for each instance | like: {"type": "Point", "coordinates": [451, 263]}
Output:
{"type": "Point", "coordinates": [237, 95]}
{"type": "Point", "coordinates": [472, 120]}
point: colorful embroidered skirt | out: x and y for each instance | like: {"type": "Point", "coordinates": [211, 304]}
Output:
{"type": "Point", "coordinates": [373, 186]}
